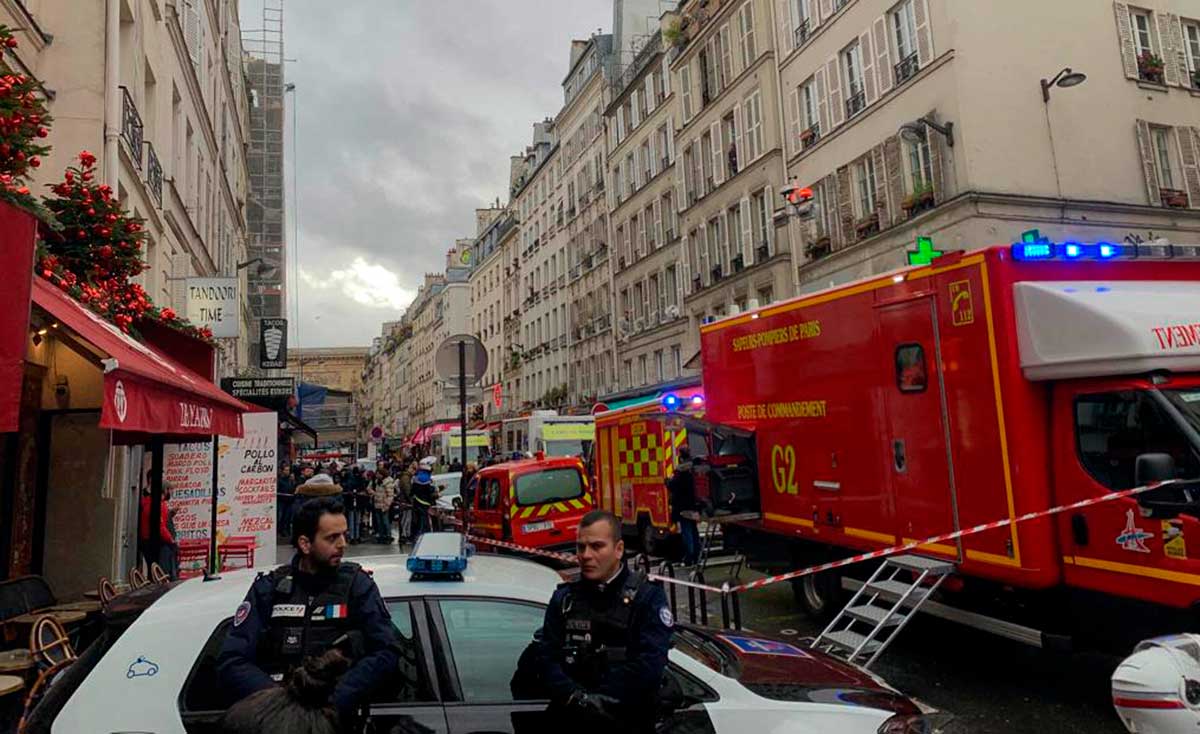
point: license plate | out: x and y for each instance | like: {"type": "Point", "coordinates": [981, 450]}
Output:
{"type": "Point", "coordinates": [536, 527]}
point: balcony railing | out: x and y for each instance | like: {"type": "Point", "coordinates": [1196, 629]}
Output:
{"type": "Point", "coordinates": [154, 174]}
{"type": "Point", "coordinates": [855, 103]}
{"type": "Point", "coordinates": [907, 68]}
{"type": "Point", "coordinates": [763, 252]}
{"type": "Point", "coordinates": [801, 33]}
{"type": "Point", "coordinates": [131, 128]}
{"type": "Point", "coordinates": [810, 135]}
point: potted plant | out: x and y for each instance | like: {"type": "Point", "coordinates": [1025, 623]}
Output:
{"type": "Point", "coordinates": [867, 225]}
{"type": "Point", "coordinates": [919, 199]}
{"type": "Point", "coordinates": [818, 248]}
{"type": "Point", "coordinates": [1150, 67]}
{"type": "Point", "coordinates": [674, 35]}
{"type": "Point", "coordinates": [808, 136]}
{"type": "Point", "coordinates": [1174, 198]}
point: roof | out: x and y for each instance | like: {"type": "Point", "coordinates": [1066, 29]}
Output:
{"type": "Point", "coordinates": [172, 632]}
{"type": "Point", "coordinates": [1083, 328]}
{"type": "Point", "coordinates": [528, 466]}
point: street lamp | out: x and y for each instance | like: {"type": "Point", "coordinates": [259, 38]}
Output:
{"type": "Point", "coordinates": [1065, 78]}
{"type": "Point", "coordinates": [265, 270]}
{"type": "Point", "coordinates": [914, 132]}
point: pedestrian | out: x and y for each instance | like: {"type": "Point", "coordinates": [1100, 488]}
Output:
{"type": "Point", "coordinates": [302, 707]}
{"type": "Point", "coordinates": [466, 487]}
{"type": "Point", "coordinates": [456, 465]}
{"type": "Point", "coordinates": [381, 497]}
{"type": "Point", "coordinates": [318, 485]}
{"type": "Point", "coordinates": [424, 496]}
{"type": "Point", "coordinates": [601, 653]}
{"type": "Point", "coordinates": [306, 608]}
{"type": "Point", "coordinates": [285, 490]}
{"type": "Point", "coordinates": [682, 490]}
{"type": "Point", "coordinates": [167, 547]}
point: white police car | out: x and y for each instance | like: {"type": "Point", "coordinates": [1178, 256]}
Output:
{"type": "Point", "coordinates": [462, 625]}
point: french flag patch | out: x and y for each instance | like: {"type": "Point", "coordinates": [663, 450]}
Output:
{"type": "Point", "coordinates": [336, 611]}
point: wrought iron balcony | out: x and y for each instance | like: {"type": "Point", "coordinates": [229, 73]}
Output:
{"type": "Point", "coordinates": [855, 103]}
{"type": "Point", "coordinates": [801, 33]}
{"type": "Point", "coordinates": [907, 68]}
{"type": "Point", "coordinates": [154, 174]}
{"type": "Point", "coordinates": [131, 128]}
{"type": "Point", "coordinates": [810, 135]}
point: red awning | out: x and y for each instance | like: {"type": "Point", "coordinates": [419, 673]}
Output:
{"type": "Point", "coordinates": [442, 428]}
{"type": "Point", "coordinates": [145, 391]}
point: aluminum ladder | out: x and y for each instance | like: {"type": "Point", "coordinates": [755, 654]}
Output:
{"type": "Point", "coordinates": [882, 606]}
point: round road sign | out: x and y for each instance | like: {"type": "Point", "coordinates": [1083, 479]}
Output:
{"type": "Point", "coordinates": [476, 359]}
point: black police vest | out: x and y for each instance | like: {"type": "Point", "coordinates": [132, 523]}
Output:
{"type": "Point", "coordinates": [300, 624]}
{"type": "Point", "coordinates": [596, 638]}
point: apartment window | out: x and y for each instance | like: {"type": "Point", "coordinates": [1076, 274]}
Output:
{"type": "Point", "coordinates": [820, 211]}
{"type": "Point", "coordinates": [760, 221]}
{"type": "Point", "coordinates": [754, 126]}
{"type": "Point", "coordinates": [726, 41]}
{"type": "Point", "coordinates": [1165, 158]}
{"type": "Point", "coordinates": [629, 373]}
{"type": "Point", "coordinates": [746, 28]}
{"type": "Point", "coordinates": [904, 29]}
{"type": "Point", "coordinates": [715, 247]}
{"type": "Point", "coordinates": [668, 215]}
{"type": "Point", "coordinates": [630, 175]}
{"type": "Point", "coordinates": [671, 284]}
{"type": "Point", "coordinates": [646, 162]}
{"type": "Point", "coordinates": [685, 86]}
{"type": "Point", "coordinates": [706, 144]}
{"type": "Point", "coordinates": [649, 233]}
{"type": "Point", "coordinates": [864, 179]}
{"type": "Point", "coordinates": [710, 85]}
{"type": "Point", "coordinates": [856, 96]}
{"type": "Point", "coordinates": [677, 360]}
{"type": "Point", "coordinates": [642, 370]}
{"type": "Point", "coordinates": [659, 366]}
{"type": "Point", "coordinates": [664, 151]}
{"type": "Point", "coordinates": [1142, 37]}
{"type": "Point", "coordinates": [920, 166]}
{"type": "Point", "coordinates": [1191, 42]}
{"type": "Point", "coordinates": [734, 217]}
{"type": "Point", "coordinates": [808, 110]}
{"type": "Point", "coordinates": [729, 145]}
{"type": "Point", "coordinates": [803, 22]}
{"type": "Point", "coordinates": [766, 296]}
{"type": "Point", "coordinates": [689, 180]}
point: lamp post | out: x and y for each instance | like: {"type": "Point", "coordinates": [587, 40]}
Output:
{"type": "Point", "coordinates": [1064, 79]}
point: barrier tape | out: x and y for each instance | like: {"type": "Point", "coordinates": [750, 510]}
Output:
{"type": "Point", "coordinates": [896, 549]}
{"type": "Point", "coordinates": [567, 557]}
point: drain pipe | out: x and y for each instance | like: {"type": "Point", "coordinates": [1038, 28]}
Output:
{"type": "Point", "coordinates": [112, 92]}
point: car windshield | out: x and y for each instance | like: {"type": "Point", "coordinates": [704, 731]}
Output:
{"type": "Point", "coordinates": [707, 650]}
{"type": "Point", "coordinates": [1187, 402]}
{"type": "Point", "coordinates": [1114, 428]}
{"type": "Point", "coordinates": [566, 447]}
{"type": "Point", "coordinates": [549, 485]}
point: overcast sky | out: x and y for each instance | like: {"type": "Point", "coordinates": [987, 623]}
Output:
{"type": "Point", "coordinates": [408, 111]}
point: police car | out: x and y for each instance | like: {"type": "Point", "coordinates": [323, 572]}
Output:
{"type": "Point", "coordinates": [462, 624]}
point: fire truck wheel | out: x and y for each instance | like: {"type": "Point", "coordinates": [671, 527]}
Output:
{"type": "Point", "coordinates": [647, 536]}
{"type": "Point", "coordinates": [819, 595]}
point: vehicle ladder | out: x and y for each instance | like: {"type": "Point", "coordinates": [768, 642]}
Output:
{"type": "Point", "coordinates": [881, 607]}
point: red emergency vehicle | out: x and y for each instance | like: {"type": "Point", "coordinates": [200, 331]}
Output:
{"type": "Point", "coordinates": [534, 502]}
{"type": "Point", "coordinates": [983, 386]}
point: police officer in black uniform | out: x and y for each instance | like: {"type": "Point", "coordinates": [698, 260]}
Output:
{"type": "Point", "coordinates": [602, 650]}
{"type": "Point", "coordinates": [316, 602]}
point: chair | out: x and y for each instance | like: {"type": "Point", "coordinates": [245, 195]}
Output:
{"type": "Point", "coordinates": [158, 575]}
{"type": "Point", "coordinates": [49, 643]}
{"type": "Point", "coordinates": [39, 687]}
{"type": "Point", "coordinates": [193, 558]}
{"type": "Point", "coordinates": [239, 548]}
{"type": "Point", "coordinates": [137, 579]}
{"type": "Point", "coordinates": [107, 591]}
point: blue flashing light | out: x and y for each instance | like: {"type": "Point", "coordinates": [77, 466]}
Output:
{"type": "Point", "coordinates": [439, 556]}
{"type": "Point", "coordinates": [1107, 250]}
{"type": "Point", "coordinates": [697, 401]}
{"type": "Point", "coordinates": [670, 401]}
{"type": "Point", "coordinates": [1033, 250]}
{"type": "Point", "coordinates": [1072, 249]}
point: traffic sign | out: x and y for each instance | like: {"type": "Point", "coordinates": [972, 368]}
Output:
{"type": "Point", "coordinates": [476, 359]}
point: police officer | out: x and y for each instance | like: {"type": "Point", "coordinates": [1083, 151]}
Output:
{"type": "Point", "coordinates": [316, 602]}
{"type": "Point", "coordinates": [424, 496]}
{"type": "Point", "coordinates": [602, 650]}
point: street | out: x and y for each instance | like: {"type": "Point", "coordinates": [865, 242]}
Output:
{"type": "Point", "coordinates": [991, 685]}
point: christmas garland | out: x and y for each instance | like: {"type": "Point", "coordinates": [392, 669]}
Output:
{"type": "Point", "coordinates": [88, 245]}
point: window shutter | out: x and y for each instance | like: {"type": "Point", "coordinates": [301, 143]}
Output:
{"type": "Point", "coordinates": [684, 261]}
{"type": "Point", "coordinates": [769, 204]}
{"type": "Point", "coordinates": [648, 93]}
{"type": "Point", "coordinates": [833, 78]}
{"type": "Point", "coordinates": [191, 29]}
{"type": "Point", "coordinates": [681, 203]}
{"type": "Point", "coordinates": [685, 91]}
{"type": "Point", "coordinates": [1189, 144]}
{"type": "Point", "coordinates": [704, 265]}
{"type": "Point", "coordinates": [1146, 148]}
{"type": "Point", "coordinates": [620, 124]}
{"type": "Point", "coordinates": [924, 39]}
{"type": "Point", "coordinates": [822, 101]}
{"type": "Point", "coordinates": [748, 243]}
{"type": "Point", "coordinates": [1172, 73]}
{"type": "Point", "coordinates": [652, 153]}
{"type": "Point", "coordinates": [826, 9]}
{"type": "Point", "coordinates": [718, 166]}
{"type": "Point", "coordinates": [1125, 37]}
{"type": "Point", "coordinates": [646, 297]}
{"type": "Point", "coordinates": [636, 178]}
{"type": "Point", "coordinates": [882, 203]}
{"type": "Point", "coordinates": [727, 253]}
{"type": "Point", "coordinates": [794, 128]}
{"type": "Point", "coordinates": [866, 52]}
{"type": "Point", "coordinates": [671, 139]}
{"type": "Point", "coordinates": [737, 137]}
{"type": "Point", "coordinates": [634, 111]}
{"type": "Point", "coordinates": [883, 56]}
{"type": "Point", "coordinates": [786, 12]}
{"type": "Point", "coordinates": [659, 235]}
{"type": "Point", "coordinates": [662, 292]}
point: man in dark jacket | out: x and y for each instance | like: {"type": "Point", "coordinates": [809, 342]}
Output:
{"type": "Point", "coordinates": [682, 489]}
{"type": "Point", "coordinates": [424, 497]}
{"type": "Point", "coordinates": [303, 609]}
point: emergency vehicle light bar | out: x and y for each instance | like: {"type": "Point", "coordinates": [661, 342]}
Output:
{"type": "Point", "coordinates": [1070, 250]}
{"type": "Point", "coordinates": [439, 555]}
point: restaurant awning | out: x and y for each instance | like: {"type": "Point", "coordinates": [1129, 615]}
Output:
{"type": "Point", "coordinates": [145, 391]}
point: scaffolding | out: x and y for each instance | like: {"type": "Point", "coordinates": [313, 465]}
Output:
{"type": "Point", "coordinates": [265, 218]}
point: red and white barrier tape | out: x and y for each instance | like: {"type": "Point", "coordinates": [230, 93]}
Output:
{"type": "Point", "coordinates": [567, 557]}
{"type": "Point", "coordinates": [727, 589]}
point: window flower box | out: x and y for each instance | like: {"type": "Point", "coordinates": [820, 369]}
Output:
{"type": "Point", "coordinates": [1174, 198]}
{"type": "Point", "coordinates": [920, 200]}
{"type": "Point", "coordinates": [1150, 67]}
{"type": "Point", "coordinates": [818, 248]}
{"type": "Point", "coordinates": [868, 225]}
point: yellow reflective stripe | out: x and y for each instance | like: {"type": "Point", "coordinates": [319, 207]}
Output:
{"type": "Point", "coordinates": [544, 509]}
{"type": "Point", "coordinates": [527, 512]}
{"type": "Point", "coordinates": [560, 507]}
{"type": "Point", "coordinates": [512, 511]}
{"type": "Point", "coordinates": [576, 504]}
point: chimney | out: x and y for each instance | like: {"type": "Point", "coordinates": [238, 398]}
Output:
{"type": "Point", "coordinates": [577, 49]}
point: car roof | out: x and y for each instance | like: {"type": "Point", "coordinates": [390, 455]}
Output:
{"type": "Point", "coordinates": [528, 466]}
{"type": "Point", "coordinates": [172, 632]}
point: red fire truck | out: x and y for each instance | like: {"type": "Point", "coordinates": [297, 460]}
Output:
{"type": "Point", "coordinates": [982, 386]}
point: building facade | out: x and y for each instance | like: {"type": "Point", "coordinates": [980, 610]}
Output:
{"type": "Point", "coordinates": [158, 88]}
{"type": "Point", "coordinates": [988, 154]}
{"type": "Point", "coordinates": [488, 287]}
{"type": "Point", "coordinates": [339, 368]}
{"type": "Point", "coordinates": [731, 158]}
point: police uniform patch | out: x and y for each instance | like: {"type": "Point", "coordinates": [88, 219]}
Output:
{"type": "Point", "coordinates": [665, 615]}
{"type": "Point", "coordinates": [243, 611]}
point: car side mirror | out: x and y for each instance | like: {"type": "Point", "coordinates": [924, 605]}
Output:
{"type": "Point", "coordinates": [1153, 468]}
{"type": "Point", "coordinates": [457, 502]}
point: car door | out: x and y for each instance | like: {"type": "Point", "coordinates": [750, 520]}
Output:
{"type": "Point", "coordinates": [411, 700]}
{"type": "Point", "coordinates": [479, 643]}
{"type": "Point", "coordinates": [486, 516]}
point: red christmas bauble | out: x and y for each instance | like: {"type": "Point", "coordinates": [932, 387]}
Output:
{"type": "Point", "coordinates": [105, 251]}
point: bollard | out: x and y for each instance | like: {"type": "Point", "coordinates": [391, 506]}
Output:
{"type": "Point", "coordinates": [737, 610]}
{"type": "Point", "coordinates": [725, 610]}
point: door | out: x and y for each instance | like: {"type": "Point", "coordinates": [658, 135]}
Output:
{"type": "Point", "coordinates": [486, 518]}
{"type": "Point", "coordinates": [917, 437]}
{"type": "Point", "coordinates": [410, 700]}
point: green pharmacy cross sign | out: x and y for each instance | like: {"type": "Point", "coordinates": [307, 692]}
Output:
{"type": "Point", "coordinates": [924, 254]}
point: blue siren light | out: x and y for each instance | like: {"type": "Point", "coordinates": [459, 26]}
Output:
{"type": "Point", "coordinates": [439, 556]}
{"type": "Point", "coordinates": [1107, 250]}
{"type": "Point", "coordinates": [1072, 249]}
{"type": "Point", "coordinates": [697, 400]}
{"type": "Point", "coordinates": [670, 401]}
{"type": "Point", "coordinates": [1032, 251]}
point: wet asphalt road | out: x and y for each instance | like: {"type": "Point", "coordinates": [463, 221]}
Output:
{"type": "Point", "coordinates": [990, 685]}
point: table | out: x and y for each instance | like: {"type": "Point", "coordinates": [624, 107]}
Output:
{"type": "Point", "coordinates": [12, 703]}
{"type": "Point", "coordinates": [15, 661]}
{"type": "Point", "coordinates": [62, 616]}
{"type": "Point", "coordinates": [87, 607]}
{"type": "Point", "coordinates": [10, 684]}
